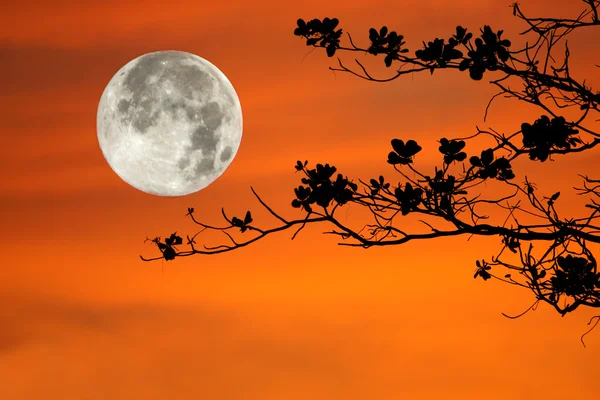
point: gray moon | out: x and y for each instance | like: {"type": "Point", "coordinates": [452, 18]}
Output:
{"type": "Point", "coordinates": [169, 123]}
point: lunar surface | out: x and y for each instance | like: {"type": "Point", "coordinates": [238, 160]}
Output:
{"type": "Point", "coordinates": [169, 123]}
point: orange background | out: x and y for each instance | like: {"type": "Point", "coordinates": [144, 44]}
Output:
{"type": "Point", "coordinates": [82, 317]}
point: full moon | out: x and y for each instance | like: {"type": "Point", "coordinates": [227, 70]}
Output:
{"type": "Point", "coordinates": [169, 123]}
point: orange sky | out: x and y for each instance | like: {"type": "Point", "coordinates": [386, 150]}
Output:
{"type": "Point", "coordinates": [81, 317]}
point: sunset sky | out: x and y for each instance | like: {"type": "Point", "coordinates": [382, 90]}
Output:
{"type": "Point", "coordinates": [83, 318]}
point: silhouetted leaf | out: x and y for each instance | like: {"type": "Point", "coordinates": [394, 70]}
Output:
{"type": "Point", "coordinates": [487, 156]}
{"type": "Point", "coordinates": [464, 64]}
{"type": "Point", "coordinates": [476, 72]}
{"type": "Point", "coordinates": [169, 254]}
{"type": "Point", "coordinates": [542, 274]}
{"type": "Point", "coordinates": [330, 50]}
{"type": "Point", "coordinates": [388, 60]}
{"type": "Point", "coordinates": [235, 221]}
{"type": "Point", "coordinates": [452, 150]}
{"type": "Point", "coordinates": [373, 34]}
{"type": "Point", "coordinates": [394, 159]}
{"type": "Point", "coordinates": [173, 240]}
{"type": "Point", "coordinates": [475, 161]}
{"type": "Point", "coordinates": [302, 29]}
{"type": "Point", "coordinates": [484, 274]}
{"type": "Point", "coordinates": [247, 218]}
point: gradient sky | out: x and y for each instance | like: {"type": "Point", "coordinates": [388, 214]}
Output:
{"type": "Point", "coordinates": [82, 317]}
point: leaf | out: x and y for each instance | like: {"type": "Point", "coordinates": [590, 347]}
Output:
{"type": "Point", "coordinates": [334, 23]}
{"type": "Point", "coordinates": [247, 218]}
{"type": "Point", "coordinates": [388, 60]}
{"type": "Point", "coordinates": [454, 54]}
{"type": "Point", "coordinates": [302, 29]}
{"type": "Point", "coordinates": [485, 275]}
{"type": "Point", "coordinates": [475, 161]}
{"type": "Point", "coordinates": [169, 254]}
{"type": "Point", "coordinates": [373, 35]}
{"type": "Point", "coordinates": [173, 239]}
{"type": "Point", "coordinates": [398, 145]}
{"type": "Point", "coordinates": [235, 221]}
{"type": "Point", "coordinates": [542, 274]}
{"type": "Point", "coordinates": [460, 156]}
{"type": "Point", "coordinates": [394, 159]}
{"type": "Point", "coordinates": [476, 72]}
{"type": "Point", "coordinates": [487, 156]}
{"type": "Point", "coordinates": [412, 148]}
{"type": "Point", "coordinates": [330, 50]}
{"type": "Point", "coordinates": [464, 64]}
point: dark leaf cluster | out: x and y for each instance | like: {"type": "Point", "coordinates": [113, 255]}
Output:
{"type": "Point", "coordinates": [483, 269]}
{"type": "Point", "coordinates": [321, 32]}
{"type": "Point", "coordinates": [442, 190]}
{"type": "Point", "coordinates": [439, 53]}
{"type": "Point", "coordinates": [321, 190]}
{"type": "Point", "coordinates": [490, 168]}
{"type": "Point", "coordinates": [443, 185]}
{"type": "Point", "coordinates": [377, 185]}
{"type": "Point", "coordinates": [547, 134]}
{"type": "Point", "coordinates": [409, 198]}
{"type": "Point", "coordinates": [511, 242]}
{"type": "Point", "coordinates": [242, 224]}
{"type": "Point", "coordinates": [384, 42]}
{"type": "Point", "coordinates": [460, 37]}
{"type": "Point", "coordinates": [488, 50]}
{"type": "Point", "coordinates": [166, 248]}
{"type": "Point", "coordinates": [575, 276]}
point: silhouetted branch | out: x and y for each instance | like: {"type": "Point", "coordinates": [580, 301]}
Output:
{"type": "Point", "coordinates": [532, 307]}
{"type": "Point", "coordinates": [594, 318]}
{"type": "Point", "coordinates": [451, 200]}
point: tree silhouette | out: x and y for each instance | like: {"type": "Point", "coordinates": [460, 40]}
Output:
{"type": "Point", "coordinates": [564, 273]}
